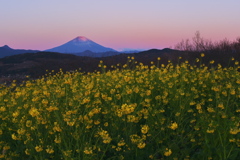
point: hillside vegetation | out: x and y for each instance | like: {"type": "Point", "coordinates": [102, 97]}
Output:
{"type": "Point", "coordinates": [131, 111]}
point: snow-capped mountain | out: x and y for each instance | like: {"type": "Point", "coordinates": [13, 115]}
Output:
{"type": "Point", "coordinates": [80, 44]}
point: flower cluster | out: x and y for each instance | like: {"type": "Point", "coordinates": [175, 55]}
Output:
{"type": "Point", "coordinates": [135, 111]}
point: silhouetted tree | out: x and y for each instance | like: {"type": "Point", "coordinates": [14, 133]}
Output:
{"type": "Point", "coordinates": [199, 44]}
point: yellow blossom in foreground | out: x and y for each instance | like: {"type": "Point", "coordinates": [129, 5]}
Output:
{"type": "Point", "coordinates": [210, 131]}
{"type": "Point", "coordinates": [210, 109]}
{"type": "Point", "coordinates": [177, 114]}
{"type": "Point", "coordinates": [6, 148]}
{"type": "Point", "coordinates": [49, 150]}
{"type": "Point", "coordinates": [34, 112]}
{"type": "Point", "coordinates": [106, 124]}
{"type": "Point", "coordinates": [57, 139]}
{"type": "Point", "coordinates": [88, 150]}
{"type": "Point", "coordinates": [232, 140]}
{"type": "Point", "coordinates": [168, 152]}
{"type": "Point", "coordinates": [220, 105]}
{"type": "Point", "coordinates": [27, 152]}
{"type": "Point", "coordinates": [121, 143]}
{"type": "Point", "coordinates": [38, 148]}
{"type": "Point", "coordinates": [234, 131]}
{"type": "Point", "coordinates": [121, 112]}
{"type": "Point", "coordinates": [141, 145]}
{"type": "Point", "coordinates": [174, 126]}
{"type": "Point", "coordinates": [144, 129]}
{"type": "Point", "coordinates": [28, 123]}
{"type": "Point", "coordinates": [14, 137]}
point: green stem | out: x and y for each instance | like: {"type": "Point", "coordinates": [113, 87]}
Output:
{"type": "Point", "coordinates": [224, 149]}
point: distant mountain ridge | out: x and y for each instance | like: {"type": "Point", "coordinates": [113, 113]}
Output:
{"type": "Point", "coordinates": [80, 44]}
{"type": "Point", "coordinates": [7, 51]}
{"type": "Point", "coordinates": [35, 65]}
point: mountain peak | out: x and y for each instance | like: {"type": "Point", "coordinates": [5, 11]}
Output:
{"type": "Point", "coordinates": [80, 44]}
{"type": "Point", "coordinates": [81, 39]}
{"type": "Point", "coordinates": [6, 47]}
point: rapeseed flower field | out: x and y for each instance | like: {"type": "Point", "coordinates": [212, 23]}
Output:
{"type": "Point", "coordinates": [132, 112]}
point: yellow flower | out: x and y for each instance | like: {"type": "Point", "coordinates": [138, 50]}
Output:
{"type": "Point", "coordinates": [234, 131]}
{"type": "Point", "coordinates": [6, 148]}
{"type": "Point", "coordinates": [38, 148]}
{"type": "Point", "coordinates": [144, 129]}
{"type": "Point", "coordinates": [2, 109]}
{"type": "Point", "coordinates": [88, 150]}
{"type": "Point", "coordinates": [27, 152]}
{"type": "Point", "coordinates": [118, 149]}
{"type": "Point", "coordinates": [21, 131]}
{"type": "Point", "coordinates": [168, 152]}
{"type": "Point", "coordinates": [51, 108]}
{"type": "Point", "coordinates": [210, 131]}
{"type": "Point", "coordinates": [14, 137]}
{"type": "Point", "coordinates": [193, 140]}
{"type": "Point", "coordinates": [71, 123]}
{"type": "Point", "coordinates": [96, 122]}
{"type": "Point", "coordinates": [177, 114]}
{"type": "Point", "coordinates": [121, 143]}
{"type": "Point", "coordinates": [57, 139]}
{"type": "Point", "coordinates": [45, 101]}
{"type": "Point", "coordinates": [232, 140]}
{"type": "Point", "coordinates": [198, 106]}
{"type": "Point", "coordinates": [192, 103]}
{"type": "Point", "coordinates": [49, 150]}
{"type": "Point", "coordinates": [105, 136]}
{"type": "Point", "coordinates": [210, 109]}
{"type": "Point", "coordinates": [107, 139]}
{"type": "Point", "coordinates": [232, 92]}
{"type": "Point", "coordinates": [141, 145]}
{"type": "Point", "coordinates": [135, 138]}
{"type": "Point", "coordinates": [56, 127]}
{"type": "Point", "coordinates": [174, 126]}
{"type": "Point", "coordinates": [34, 112]}
{"type": "Point", "coordinates": [211, 62]}
{"type": "Point", "coordinates": [220, 105]}
{"type": "Point", "coordinates": [28, 123]}
{"type": "Point", "coordinates": [131, 118]}
{"type": "Point", "coordinates": [15, 114]}
{"type": "Point", "coordinates": [148, 92]}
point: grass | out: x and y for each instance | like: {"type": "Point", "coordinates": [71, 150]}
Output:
{"type": "Point", "coordinates": [137, 112]}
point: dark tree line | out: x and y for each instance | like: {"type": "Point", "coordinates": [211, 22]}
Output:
{"type": "Point", "coordinates": [199, 44]}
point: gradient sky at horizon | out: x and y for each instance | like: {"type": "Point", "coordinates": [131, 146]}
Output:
{"type": "Point", "coordinates": [118, 24]}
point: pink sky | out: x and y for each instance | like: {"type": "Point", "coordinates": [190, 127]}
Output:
{"type": "Point", "coordinates": [136, 24]}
